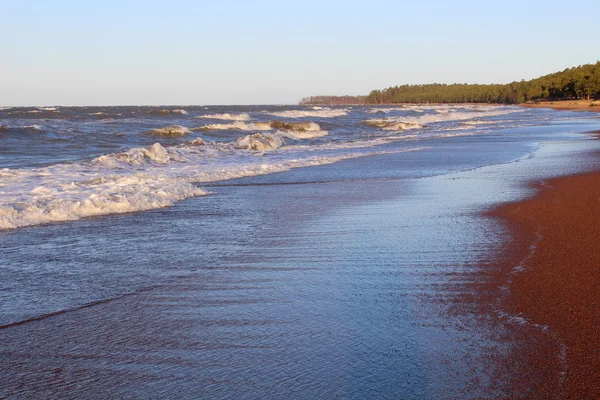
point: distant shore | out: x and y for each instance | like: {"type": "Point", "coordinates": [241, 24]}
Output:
{"type": "Point", "coordinates": [573, 105]}
{"type": "Point", "coordinates": [558, 283]}
{"type": "Point", "coordinates": [569, 105]}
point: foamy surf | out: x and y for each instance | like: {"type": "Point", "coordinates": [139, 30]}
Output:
{"type": "Point", "coordinates": [302, 134]}
{"type": "Point", "coordinates": [264, 126]}
{"type": "Point", "coordinates": [238, 125]}
{"type": "Point", "coordinates": [168, 112]}
{"type": "Point", "coordinates": [148, 176]}
{"type": "Point", "coordinates": [391, 124]}
{"type": "Point", "coordinates": [470, 116]}
{"type": "Point", "coordinates": [160, 178]}
{"type": "Point", "coordinates": [227, 116]}
{"type": "Point", "coordinates": [320, 113]}
{"type": "Point", "coordinates": [174, 130]}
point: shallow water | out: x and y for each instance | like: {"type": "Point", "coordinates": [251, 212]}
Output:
{"type": "Point", "coordinates": [336, 280]}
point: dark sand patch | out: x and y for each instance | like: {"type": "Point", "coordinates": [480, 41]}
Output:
{"type": "Point", "coordinates": [559, 284]}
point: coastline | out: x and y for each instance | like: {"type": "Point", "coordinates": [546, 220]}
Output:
{"type": "Point", "coordinates": [332, 281]}
{"type": "Point", "coordinates": [563, 105]}
{"type": "Point", "coordinates": [553, 267]}
{"type": "Point", "coordinates": [567, 105]}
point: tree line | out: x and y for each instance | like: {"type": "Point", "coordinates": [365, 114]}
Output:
{"type": "Point", "coordinates": [582, 82]}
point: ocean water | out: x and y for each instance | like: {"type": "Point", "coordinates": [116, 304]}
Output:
{"type": "Point", "coordinates": [264, 251]}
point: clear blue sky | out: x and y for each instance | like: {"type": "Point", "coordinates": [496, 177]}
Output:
{"type": "Point", "coordinates": [265, 52]}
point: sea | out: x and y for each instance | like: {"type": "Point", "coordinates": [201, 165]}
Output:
{"type": "Point", "coordinates": [253, 252]}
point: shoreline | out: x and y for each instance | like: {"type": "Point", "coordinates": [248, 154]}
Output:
{"type": "Point", "coordinates": [552, 263]}
{"type": "Point", "coordinates": [562, 105]}
{"type": "Point", "coordinates": [567, 105]}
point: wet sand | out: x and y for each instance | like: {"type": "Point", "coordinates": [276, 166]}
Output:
{"type": "Point", "coordinates": [557, 283]}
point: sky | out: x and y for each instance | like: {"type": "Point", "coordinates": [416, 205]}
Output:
{"type": "Point", "coordinates": [276, 52]}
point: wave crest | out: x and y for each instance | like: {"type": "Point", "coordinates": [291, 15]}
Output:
{"type": "Point", "coordinates": [260, 142]}
{"type": "Point", "coordinates": [321, 113]}
{"type": "Point", "coordinates": [238, 125]}
{"type": "Point", "coordinates": [108, 195]}
{"type": "Point", "coordinates": [263, 126]}
{"type": "Point", "coordinates": [167, 112]}
{"type": "Point", "coordinates": [227, 117]}
{"type": "Point", "coordinates": [20, 130]}
{"type": "Point", "coordinates": [64, 192]}
{"type": "Point", "coordinates": [391, 124]}
{"type": "Point", "coordinates": [169, 131]}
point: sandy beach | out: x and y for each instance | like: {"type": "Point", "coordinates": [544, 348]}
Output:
{"type": "Point", "coordinates": [569, 105]}
{"type": "Point", "coordinates": [557, 281]}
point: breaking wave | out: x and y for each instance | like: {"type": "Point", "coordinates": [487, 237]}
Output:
{"type": "Point", "coordinates": [167, 112]}
{"type": "Point", "coordinates": [321, 113]}
{"type": "Point", "coordinates": [112, 194]}
{"type": "Point", "coordinates": [303, 134]}
{"type": "Point", "coordinates": [260, 142]}
{"type": "Point", "coordinates": [227, 117]}
{"type": "Point", "coordinates": [263, 126]}
{"type": "Point", "coordinates": [141, 178]}
{"type": "Point", "coordinates": [169, 131]}
{"type": "Point", "coordinates": [7, 130]}
{"type": "Point", "coordinates": [238, 125]}
{"type": "Point", "coordinates": [145, 177]}
{"type": "Point", "coordinates": [442, 115]}
{"type": "Point", "coordinates": [391, 124]}
{"type": "Point", "coordinates": [458, 115]}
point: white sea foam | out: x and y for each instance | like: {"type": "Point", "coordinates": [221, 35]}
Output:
{"type": "Point", "coordinates": [321, 113]}
{"type": "Point", "coordinates": [238, 125]}
{"type": "Point", "coordinates": [271, 141]}
{"type": "Point", "coordinates": [301, 128]}
{"type": "Point", "coordinates": [462, 115]}
{"type": "Point", "coordinates": [458, 134]}
{"type": "Point", "coordinates": [144, 178]}
{"type": "Point", "coordinates": [141, 178]}
{"type": "Point", "coordinates": [179, 112]}
{"type": "Point", "coordinates": [260, 142]}
{"type": "Point", "coordinates": [391, 124]}
{"type": "Point", "coordinates": [174, 130]}
{"type": "Point", "coordinates": [447, 114]}
{"type": "Point", "coordinates": [75, 194]}
{"type": "Point", "coordinates": [227, 117]}
{"type": "Point", "coordinates": [300, 134]}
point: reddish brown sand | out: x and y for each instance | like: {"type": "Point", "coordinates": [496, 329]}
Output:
{"type": "Point", "coordinates": [560, 284]}
{"type": "Point", "coordinates": [572, 105]}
